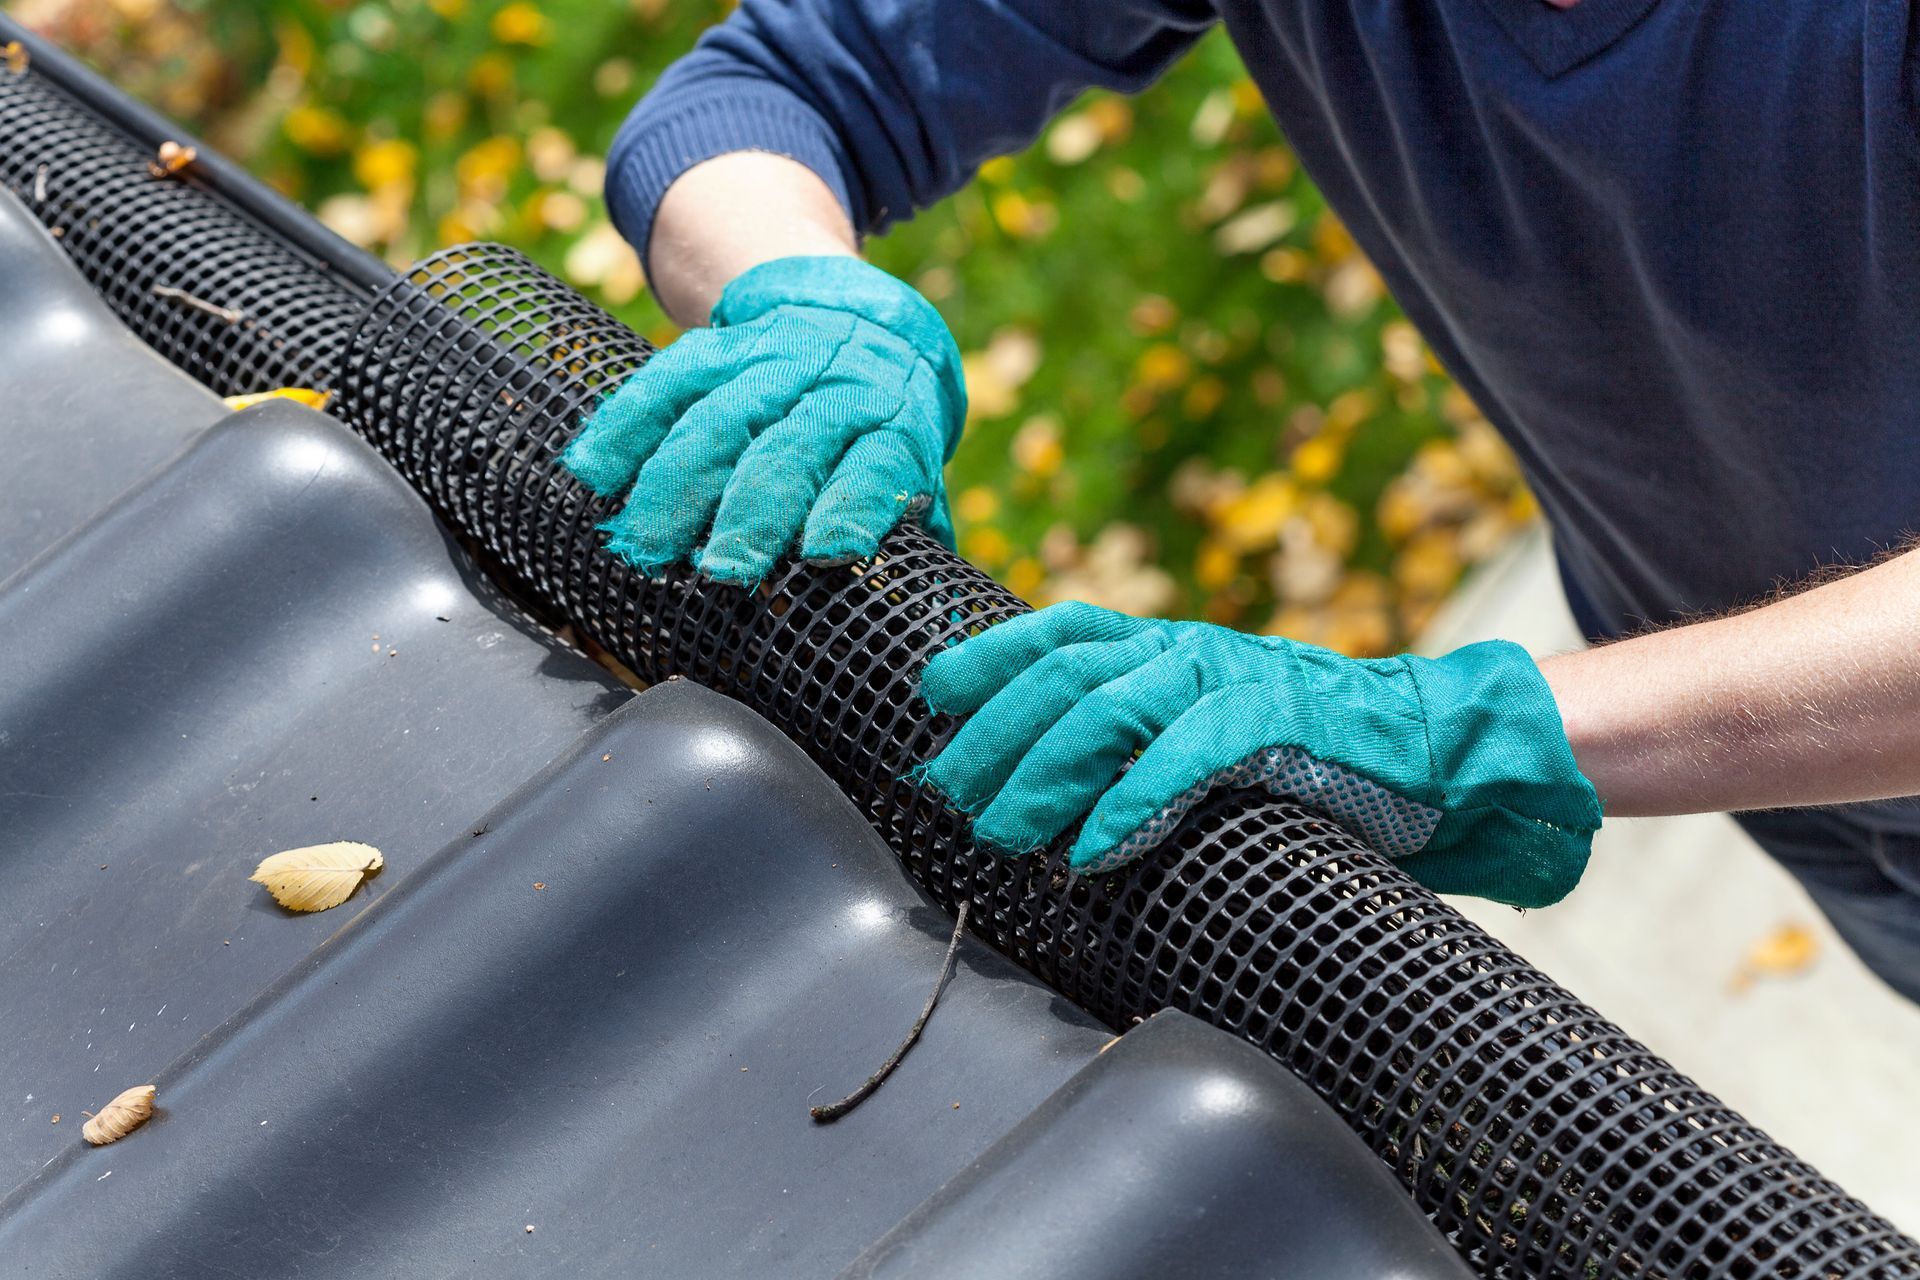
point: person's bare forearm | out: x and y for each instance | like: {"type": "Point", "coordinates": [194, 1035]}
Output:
{"type": "Point", "coordinates": [1814, 699]}
{"type": "Point", "coordinates": [733, 212]}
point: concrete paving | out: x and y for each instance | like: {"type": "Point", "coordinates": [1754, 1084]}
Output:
{"type": "Point", "coordinates": [1824, 1057]}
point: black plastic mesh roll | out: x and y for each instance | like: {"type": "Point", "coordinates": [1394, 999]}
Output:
{"type": "Point", "coordinates": [1541, 1138]}
{"type": "Point", "coordinates": [223, 297]}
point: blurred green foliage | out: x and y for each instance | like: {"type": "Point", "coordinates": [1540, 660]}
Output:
{"type": "Point", "coordinates": [1191, 395]}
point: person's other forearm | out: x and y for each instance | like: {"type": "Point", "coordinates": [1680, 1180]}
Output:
{"type": "Point", "coordinates": [1814, 699]}
{"type": "Point", "coordinates": [733, 212]}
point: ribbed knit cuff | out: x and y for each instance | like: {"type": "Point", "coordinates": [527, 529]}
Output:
{"type": "Point", "coordinates": [653, 150]}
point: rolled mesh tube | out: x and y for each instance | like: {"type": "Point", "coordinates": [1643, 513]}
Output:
{"type": "Point", "coordinates": [1537, 1135]}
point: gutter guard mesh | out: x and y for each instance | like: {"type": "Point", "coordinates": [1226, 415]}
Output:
{"type": "Point", "coordinates": [129, 231]}
{"type": "Point", "coordinates": [1537, 1135]}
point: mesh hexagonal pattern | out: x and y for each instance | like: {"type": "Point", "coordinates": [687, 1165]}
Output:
{"type": "Point", "coordinates": [1541, 1138]}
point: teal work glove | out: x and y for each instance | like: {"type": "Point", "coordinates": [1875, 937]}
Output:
{"type": "Point", "coordinates": [821, 405]}
{"type": "Point", "coordinates": [1458, 767]}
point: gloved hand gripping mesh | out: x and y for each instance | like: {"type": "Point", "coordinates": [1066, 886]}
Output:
{"type": "Point", "coordinates": [1537, 1135]}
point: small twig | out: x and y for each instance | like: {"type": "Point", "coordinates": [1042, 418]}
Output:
{"type": "Point", "coordinates": [834, 1110]}
{"type": "Point", "coordinates": [227, 314]}
{"type": "Point", "coordinates": [40, 185]}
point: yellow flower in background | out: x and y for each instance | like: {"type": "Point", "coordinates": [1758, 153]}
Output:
{"type": "Point", "coordinates": [561, 211]}
{"type": "Point", "coordinates": [1402, 353]}
{"type": "Point", "coordinates": [443, 115]}
{"type": "Point", "coordinates": [1250, 520]}
{"type": "Point", "coordinates": [550, 154]}
{"type": "Point", "coordinates": [1285, 266]}
{"type": "Point", "coordinates": [520, 23]}
{"type": "Point", "coordinates": [317, 130]}
{"type": "Point", "coordinates": [295, 47]}
{"type": "Point", "coordinates": [1351, 408]}
{"type": "Point", "coordinates": [1335, 524]}
{"type": "Point", "coordinates": [484, 168]}
{"type": "Point", "coordinates": [1428, 565]}
{"type": "Point", "coordinates": [602, 258]}
{"type": "Point", "coordinates": [1317, 460]}
{"type": "Point", "coordinates": [388, 162]}
{"type": "Point", "coordinates": [1204, 398]}
{"type": "Point", "coordinates": [995, 375]}
{"type": "Point", "coordinates": [1163, 367]}
{"type": "Point", "coordinates": [1024, 577]}
{"type": "Point", "coordinates": [1037, 449]}
{"type": "Point", "coordinates": [1023, 218]}
{"type": "Point", "coordinates": [1273, 168]}
{"type": "Point", "coordinates": [977, 504]}
{"type": "Point", "coordinates": [491, 75]}
{"type": "Point", "coordinates": [451, 10]}
{"type": "Point", "coordinates": [1113, 116]}
{"type": "Point", "coordinates": [1331, 242]}
{"type": "Point", "coordinates": [986, 546]}
{"type": "Point", "coordinates": [1215, 565]}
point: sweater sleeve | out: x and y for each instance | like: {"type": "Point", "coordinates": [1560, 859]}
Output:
{"type": "Point", "coordinates": [894, 103]}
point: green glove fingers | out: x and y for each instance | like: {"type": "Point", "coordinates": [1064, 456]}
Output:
{"type": "Point", "coordinates": [878, 482]}
{"type": "Point", "coordinates": [821, 407]}
{"type": "Point", "coordinates": [885, 475]}
{"type": "Point", "coordinates": [1075, 760]}
{"type": "Point", "coordinates": [775, 484]}
{"type": "Point", "coordinates": [1213, 743]}
{"type": "Point", "coordinates": [1457, 766]}
{"type": "Point", "coordinates": [958, 681]}
{"type": "Point", "coordinates": [679, 487]}
{"type": "Point", "coordinates": [630, 424]}
{"type": "Point", "coordinates": [983, 755]}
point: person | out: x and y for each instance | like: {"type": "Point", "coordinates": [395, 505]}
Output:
{"type": "Point", "coordinates": [1670, 247]}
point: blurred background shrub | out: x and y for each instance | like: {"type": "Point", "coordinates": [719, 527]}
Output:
{"type": "Point", "coordinates": [1191, 395]}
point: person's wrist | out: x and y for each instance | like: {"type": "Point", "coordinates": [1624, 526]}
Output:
{"type": "Point", "coordinates": [732, 212]}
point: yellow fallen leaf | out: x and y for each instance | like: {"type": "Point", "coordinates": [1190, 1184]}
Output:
{"type": "Point", "coordinates": [1787, 950]}
{"type": "Point", "coordinates": [299, 395]}
{"type": "Point", "coordinates": [120, 1117]}
{"type": "Point", "coordinates": [319, 876]}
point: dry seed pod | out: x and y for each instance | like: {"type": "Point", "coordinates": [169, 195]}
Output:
{"type": "Point", "coordinates": [173, 158]}
{"type": "Point", "coordinates": [319, 876]}
{"type": "Point", "coordinates": [120, 1117]}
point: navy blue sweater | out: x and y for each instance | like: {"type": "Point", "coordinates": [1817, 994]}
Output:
{"type": "Point", "coordinates": [1671, 247]}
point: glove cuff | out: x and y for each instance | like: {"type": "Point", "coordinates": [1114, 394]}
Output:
{"type": "Point", "coordinates": [847, 284]}
{"type": "Point", "coordinates": [1496, 737]}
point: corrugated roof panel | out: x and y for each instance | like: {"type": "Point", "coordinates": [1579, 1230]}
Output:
{"type": "Point", "coordinates": [193, 682]}
{"type": "Point", "coordinates": [606, 1017]}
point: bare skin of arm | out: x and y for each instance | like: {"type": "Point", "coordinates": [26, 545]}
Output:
{"type": "Point", "coordinates": [1814, 699]}
{"type": "Point", "coordinates": [733, 212]}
